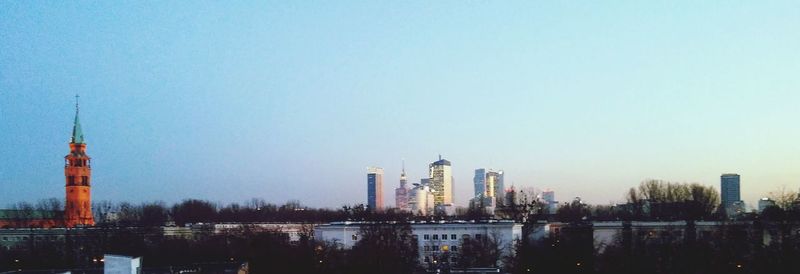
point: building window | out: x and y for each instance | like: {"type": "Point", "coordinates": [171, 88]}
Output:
{"type": "Point", "coordinates": [71, 180]}
{"type": "Point", "coordinates": [85, 180]}
{"type": "Point", "coordinates": [426, 237]}
{"type": "Point", "coordinates": [452, 236]}
{"type": "Point", "coordinates": [465, 236]}
{"type": "Point", "coordinates": [444, 236]}
{"type": "Point", "coordinates": [454, 248]}
{"type": "Point", "coordinates": [355, 237]}
{"type": "Point", "coordinates": [435, 236]}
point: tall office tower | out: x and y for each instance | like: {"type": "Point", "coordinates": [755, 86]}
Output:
{"type": "Point", "coordinates": [499, 185]}
{"type": "Point", "coordinates": [441, 182]}
{"type": "Point", "coordinates": [549, 198]}
{"type": "Point", "coordinates": [494, 186]}
{"type": "Point", "coordinates": [375, 188]}
{"type": "Point", "coordinates": [401, 193]}
{"type": "Point", "coordinates": [480, 182]}
{"type": "Point", "coordinates": [729, 190]}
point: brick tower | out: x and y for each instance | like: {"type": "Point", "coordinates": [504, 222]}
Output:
{"type": "Point", "coordinates": [78, 172]}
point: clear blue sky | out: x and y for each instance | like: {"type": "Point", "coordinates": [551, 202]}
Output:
{"type": "Point", "coordinates": [294, 99]}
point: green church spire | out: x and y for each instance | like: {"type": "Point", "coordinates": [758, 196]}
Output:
{"type": "Point", "coordinates": [77, 133]}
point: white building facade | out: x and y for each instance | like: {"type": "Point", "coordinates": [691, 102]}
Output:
{"type": "Point", "coordinates": [433, 238]}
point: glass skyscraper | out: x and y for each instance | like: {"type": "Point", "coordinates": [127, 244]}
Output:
{"type": "Point", "coordinates": [729, 190]}
{"type": "Point", "coordinates": [375, 188]}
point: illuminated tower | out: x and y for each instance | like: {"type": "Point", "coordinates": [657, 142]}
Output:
{"type": "Point", "coordinates": [78, 173]}
{"type": "Point", "coordinates": [401, 193]}
{"type": "Point", "coordinates": [441, 181]}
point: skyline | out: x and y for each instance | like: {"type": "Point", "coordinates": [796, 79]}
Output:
{"type": "Point", "coordinates": [228, 102]}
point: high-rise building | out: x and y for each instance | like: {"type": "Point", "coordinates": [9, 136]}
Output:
{"type": "Point", "coordinates": [441, 182]}
{"type": "Point", "coordinates": [401, 193]}
{"type": "Point", "coordinates": [420, 199]}
{"type": "Point", "coordinates": [489, 184]}
{"type": "Point", "coordinates": [480, 182]}
{"type": "Point", "coordinates": [375, 188]}
{"type": "Point", "coordinates": [78, 174]}
{"type": "Point", "coordinates": [494, 186]}
{"type": "Point", "coordinates": [550, 203]}
{"type": "Point", "coordinates": [730, 192]}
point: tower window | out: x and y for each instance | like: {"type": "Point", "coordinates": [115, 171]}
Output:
{"type": "Point", "coordinates": [85, 180]}
{"type": "Point", "coordinates": [71, 180]}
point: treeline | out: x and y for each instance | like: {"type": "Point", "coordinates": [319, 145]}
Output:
{"type": "Point", "coordinates": [200, 211]}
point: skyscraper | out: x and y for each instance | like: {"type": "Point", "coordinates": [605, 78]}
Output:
{"type": "Point", "coordinates": [550, 203]}
{"type": "Point", "coordinates": [489, 184]}
{"type": "Point", "coordinates": [480, 182]}
{"type": "Point", "coordinates": [375, 188]}
{"type": "Point", "coordinates": [441, 182]}
{"type": "Point", "coordinates": [494, 186]}
{"type": "Point", "coordinates": [730, 191]}
{"type": "Point", "coordinates": [78, 174]}
{"type": "Point", "coordinates": [401, 193]}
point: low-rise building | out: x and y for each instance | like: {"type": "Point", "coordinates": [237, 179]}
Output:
{"type": "Point", "coordinates": [433, 238]}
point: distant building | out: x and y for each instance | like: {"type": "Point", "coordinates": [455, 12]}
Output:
{"type": "Point", "coordinates": [494, 186]}
{"type": "Point", "coordinates": [489, 184]}
{"type": "Point", "coordinates": [730, 193]}
{"type": "Point", "coordinates": [421, 199]}
{"type": "Point", "coordinates": [375, 188]}
{"type": "Point", "coordinates": [550, 203]}
{"type": "Point", "coordinates": [401, 193]}
{"type": "Point", "coordinates": [441, 181]}
{"type": "Point", "coordinates": [480, 182]}
{"type": "Point", "coordinates": [434, 239]}
{"type": "Point", "coordinates": [764, 203]}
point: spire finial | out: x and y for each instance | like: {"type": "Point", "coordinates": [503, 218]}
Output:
{"type": "Point", "coordinates": [77, 133]}
{"type": "Point", "coordinates": [404, 165]}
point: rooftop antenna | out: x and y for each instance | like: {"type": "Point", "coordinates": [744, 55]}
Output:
{"type": "Point", "coordinates": [440, 157]}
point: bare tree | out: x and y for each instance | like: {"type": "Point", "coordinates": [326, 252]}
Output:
{"type": "Point", "coordinates": [783, 197]}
